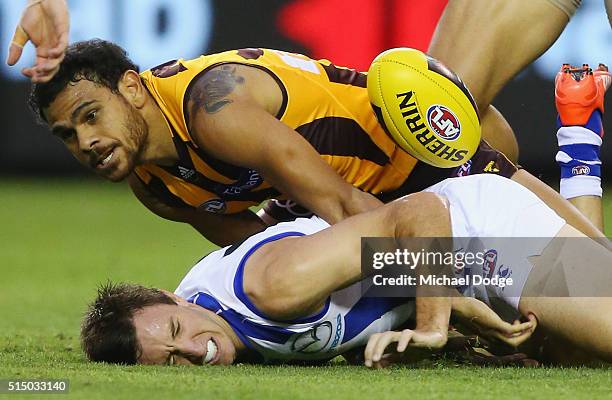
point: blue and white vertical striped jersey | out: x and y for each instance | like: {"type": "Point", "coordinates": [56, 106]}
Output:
{"type": "Point", "coordinates": [345, 322]}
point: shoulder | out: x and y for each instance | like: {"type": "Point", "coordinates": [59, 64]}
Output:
{"type": "Point", "coordinates": [231, 83]}
{"type": "Point", "coordinates": [215, 88]}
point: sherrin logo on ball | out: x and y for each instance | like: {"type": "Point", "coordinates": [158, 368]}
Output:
{"type": "Point", "coordinates": [424, 107]}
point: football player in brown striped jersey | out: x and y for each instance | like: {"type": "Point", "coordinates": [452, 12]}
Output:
{"type": "Point", "coordinates": [202, 140]}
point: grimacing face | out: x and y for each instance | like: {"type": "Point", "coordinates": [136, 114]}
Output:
{"type": "Point", "coordinates": [184, 334]}
{"type": "Point", "coordinates": [102, 129]}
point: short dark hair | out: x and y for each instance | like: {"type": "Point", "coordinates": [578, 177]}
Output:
{"type": "Point", "coordinates": [107, 332]}
{"type": "Point", "coordinates": [94, 60]}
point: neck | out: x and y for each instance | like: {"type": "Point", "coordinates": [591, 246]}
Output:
{"type": "Point", "coordinates": [160, 147]}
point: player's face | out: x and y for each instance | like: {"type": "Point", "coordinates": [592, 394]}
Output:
{"type": "Point", "coordinates": [180, 334]}
{"type": "Point", "coordinates": [100, 128]}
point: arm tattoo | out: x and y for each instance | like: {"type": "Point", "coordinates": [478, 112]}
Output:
{"type": "Point", "coordinates": [212, 88]}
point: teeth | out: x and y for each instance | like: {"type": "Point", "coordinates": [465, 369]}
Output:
{"type": "Point", "coordinates": [107, 159]}
{"type": "Point", "coordinates": [211, 351]}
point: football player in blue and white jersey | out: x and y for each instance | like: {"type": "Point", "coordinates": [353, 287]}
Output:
{"type": "Point", "coordinates": [293, 291]}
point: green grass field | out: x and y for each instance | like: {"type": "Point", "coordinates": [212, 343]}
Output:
{"type": "Point", "coordinates": [60, 239]}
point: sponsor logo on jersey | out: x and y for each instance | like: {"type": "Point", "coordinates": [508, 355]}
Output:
{"type": "Point", "coordinates": [491, 167]}
{"type": "Point", "coordinates": [443, 122]}
{"type": "Point", "coordinates": [338, 334]}
{"type": "Point", "coordinates": [414, 121]}
{"type": "Point", "coordinates": [581, 170]}
{"type": "Point", "coordinates": [465, 169]}
{"type": "Point", "coordinates": [504, 272]}
{"type": "Point", "coordinates": [252, 179]}
{"type": "Point", "coordinates": [313, 340]}
{"type": "Point", "coordinates": [247, 181]}
{"type": "Point", "coordinates": [490, 261]}
{"type": "Point", "coordinates": [186, 173]}
{"type": "Point", "coordinates": [215, 206]}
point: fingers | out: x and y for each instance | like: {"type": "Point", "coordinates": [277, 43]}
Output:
{"type": "Point", "coordinates": [513, 341]}
{"type": "Point", "coordinates": [533, 320]}
{"type": "Point", "coordinates": [485, 318]}
{"type": "Point", "coordinates": [14, 54]}
{"type": "Point", "coordinates": [516, 327]}
{"type": "Point", "coordinates": [20, 38]}
{"type": "Point", "coordinates": [61, 22]}
{"type": "Point", "coordinates": [29, 72]}
{"type": "Point", "coordinates": [42, 77]}
{"type": "Point", "coordinates": [490, 324]}
{"type": "Point", "coordinates": [385, 361]}
{"type": "Point", "coordinates": [44, 69]}
{"type": "Point", "coordinates": [382, 343]}
{"type": "Point", "coordinates": [47, 65]}
{"type": "Point", "coordinates": [40, 74]}
{"type": "Point", "coordinates": [62, 44]}
{"type": "Point", "coordinates": [516, 333]}
{"type": "Point", "coordinates": [404, 340]}
{"type": "Point", "coordinates": [47, 27]}
{"type": "Point", "coordinates": [378, 342]}
{"type": "Point", "coordinates": [517, 338]}
{"type": "Point", "coordinates": [369, 350]}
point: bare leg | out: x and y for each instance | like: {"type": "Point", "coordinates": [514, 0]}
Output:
{"type": "Point", "coordinates": [561, 206]}
{"type": "Point", "coordinates": [501, 28]}
{"type": "Point", "coordinates": [591, 207]}
{"type": "Point", "coordinates": [583, 322]}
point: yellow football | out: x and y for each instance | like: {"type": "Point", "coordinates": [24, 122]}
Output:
{"type": "Point", "coordinates": [424, 107]}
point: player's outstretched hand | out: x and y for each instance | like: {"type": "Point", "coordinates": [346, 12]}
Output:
{"type": "Point", "coordinates": [374, 354]}
{"type": "Point", "coordinates": [476, 313]}
{"type": "Point", "coordinates": [45, 23]}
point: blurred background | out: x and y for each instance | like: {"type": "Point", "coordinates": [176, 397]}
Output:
{"type": "Point", "coordinates": [60, 236]}
{"type": "Point", "coordinates": [154, 31]}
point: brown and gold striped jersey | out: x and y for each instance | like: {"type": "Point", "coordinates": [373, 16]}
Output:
{"type": "Point", "coordinates": [326, 104]}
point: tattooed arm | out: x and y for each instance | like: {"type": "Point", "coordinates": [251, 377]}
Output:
{"type": "Point", "coordinates": [231, 113]}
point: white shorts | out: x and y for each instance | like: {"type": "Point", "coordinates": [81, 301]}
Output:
{"type": "Point", "coordinates": [512, 224]}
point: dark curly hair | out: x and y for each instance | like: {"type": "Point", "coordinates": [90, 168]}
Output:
{"type": "Point", "coordinates": [94, 60]}
{"type": "Point", "coordinates": [107, 331]}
